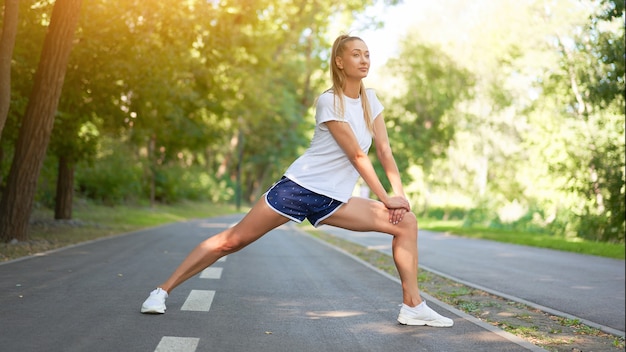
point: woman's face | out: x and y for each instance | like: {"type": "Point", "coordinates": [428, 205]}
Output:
{"type": "Point", "coordinates": [355, 59]}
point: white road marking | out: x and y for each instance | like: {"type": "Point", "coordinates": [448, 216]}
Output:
{"type": "Point", "coordinates": [211, 273]}
{"type": "Point", "coordinates": [199, 301]}
{"type": "Point", "coordinates": [177, 344]}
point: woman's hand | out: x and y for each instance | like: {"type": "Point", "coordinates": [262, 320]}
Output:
{"type": "Point", "coordinates": [396, 202]}
{"type": "Point", "coordinates": [396, 215]}
{"type": "Point", "coordinates": [397, 206]}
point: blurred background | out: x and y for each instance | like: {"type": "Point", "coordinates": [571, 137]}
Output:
{"type": "Point", "coordinates": [506, 114]}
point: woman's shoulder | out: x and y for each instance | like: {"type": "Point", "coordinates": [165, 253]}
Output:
{"type": "Point", "coordinates": [326, 97]}
{"type": "Point", "coordinates": [371, 92]}
{"type": "Point", "coordinates": [327, 94]}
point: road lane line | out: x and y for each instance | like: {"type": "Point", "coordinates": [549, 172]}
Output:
{"type": "Point", "coordinates": [199, 301]}
{"type": "Point", "coordinates": [177, 344]}
{"type": "Point", "coordinates": [211, 273]}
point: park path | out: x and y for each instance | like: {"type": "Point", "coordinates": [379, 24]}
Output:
{"type": "Point", "coordinates": [584, 287]}
{"type": "Point", "coordinates": [286, 292]}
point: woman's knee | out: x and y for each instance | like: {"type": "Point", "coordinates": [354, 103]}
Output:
{"type": "Point", "coordinates": [410, 220]}
{"type": "Point", "coordinates": [229, 242]}
{"type": "Point", "coordinates": [408, 225]}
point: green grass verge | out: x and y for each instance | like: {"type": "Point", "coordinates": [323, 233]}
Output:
{"type": "Point", "coordinates": [146, 216]}
{"type": "Point", "coordinates": [92, 221]}
{"type": "Point", "coordinates": [576, 245]}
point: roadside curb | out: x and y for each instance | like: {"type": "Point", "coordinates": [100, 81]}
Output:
{"type": "Point", "coordinates": [545, 309]}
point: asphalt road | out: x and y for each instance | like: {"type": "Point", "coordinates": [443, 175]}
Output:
{"type": "Point", "coordinates": [286, 292]}
{"type": "Point", "coordinates": [588, 288]}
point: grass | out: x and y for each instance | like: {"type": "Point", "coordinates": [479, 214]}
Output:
{"type": "Point", "coordinates": [142, 216]}
{"type": "Point", "coordinates": [576, 245]}
{"type": "Point", "coordinates": [92, 221]}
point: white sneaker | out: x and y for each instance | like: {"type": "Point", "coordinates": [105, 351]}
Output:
{"type": "Point", "coordinates": [155, 304]}
{"type": "Point", "coordinates": [422, 315]}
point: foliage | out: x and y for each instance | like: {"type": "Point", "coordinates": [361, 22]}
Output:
{"type": "Point", "coordinates": [113, 177]}
{"type": "Point", "coordinates": [539, 143]}
{"type": "Point", "coordinates": [171, 77]}
{"type": "Point", "coordinates": [194, 100]}
{"type": "Point", "coordinates": [423, 116]}
{"type": "Point", "coordinates": [445, 213]}
{"type": "Point", "coordinates": [586, 96]}
{"type": "Point", "coordinates": [176, 183]}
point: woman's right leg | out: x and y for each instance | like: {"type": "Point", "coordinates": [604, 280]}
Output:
{"type": "Point", "coordinates": [259, 221]}
{"type": "Point", "coordinates": [361, 214]}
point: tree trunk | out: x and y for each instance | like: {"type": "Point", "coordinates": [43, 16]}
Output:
{"type": "Point", "coordinates": [1, 167]}
{"type": "Point", "coordinates": [32, 142]}
{"type": "Point", "coordinates": [152, 161]}
{"type": "Point", "coordinates": [7, 43]}
{"type": "Point", "coordinates": [65, 189]}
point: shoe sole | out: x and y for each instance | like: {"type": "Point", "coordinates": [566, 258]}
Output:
{"type": "Point", "coordinates": [152, 310]}
{"type": "Point", "coordinates": [415, 322]}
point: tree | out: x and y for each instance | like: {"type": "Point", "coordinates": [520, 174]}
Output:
{"type": "Point", "coordinates": [7, 43]}
{"type": "Point", "coordinates": [423, 116]}
{"type": "Point", "coordinates": [590, 86]}
{"type": "Point", "coordinates": [175, 81]}
{"type": "Point", "coordinates": [17, 200]}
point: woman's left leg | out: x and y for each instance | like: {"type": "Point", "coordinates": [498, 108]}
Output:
{"type": "Point", "coordinates": [361, 214]}
{"type": "Point", "coordinates": [260, 220]}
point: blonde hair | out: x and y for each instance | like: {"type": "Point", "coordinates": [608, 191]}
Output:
{"type": "Point", "coordinates": [339, 77]}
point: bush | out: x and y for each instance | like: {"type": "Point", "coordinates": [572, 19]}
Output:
{"type": "Point", "coordinates": [445, 213]}
{"type": "Point", "coordinates": [531, 221]}
{"type": "Point", "coordinates": [176, 182]}
{"type": "Point", "coordinates": [114, 177]}
{"type": "Point", "coordinates": [481, 216]}
{"type": "Point", "coordinates": [46, 184]}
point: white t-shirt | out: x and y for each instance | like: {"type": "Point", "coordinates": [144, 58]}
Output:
{"type": "Point", "coordinates": [324, 168]}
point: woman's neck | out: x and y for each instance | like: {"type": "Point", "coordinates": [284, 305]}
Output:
{"type": "Point", "coordinates": [352, 89]}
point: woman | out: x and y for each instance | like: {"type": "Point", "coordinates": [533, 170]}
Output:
{"type": "Point", "coordinates": [318, 186]}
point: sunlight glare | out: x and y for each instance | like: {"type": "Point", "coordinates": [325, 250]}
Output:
{"type": "Point", "coordinates": [333, 314]}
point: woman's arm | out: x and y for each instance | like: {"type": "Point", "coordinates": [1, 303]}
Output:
{"type": "Point", "coordinates": [346, 139]}
{"type": "Point", "coordinates": [385, 156]}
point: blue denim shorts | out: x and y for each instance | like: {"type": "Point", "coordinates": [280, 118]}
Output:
{"type": "Point", "coordinates": [298, 203]}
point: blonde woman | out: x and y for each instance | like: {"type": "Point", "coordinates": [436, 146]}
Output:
{"type": "Point", "coordinates": [319, 184]}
